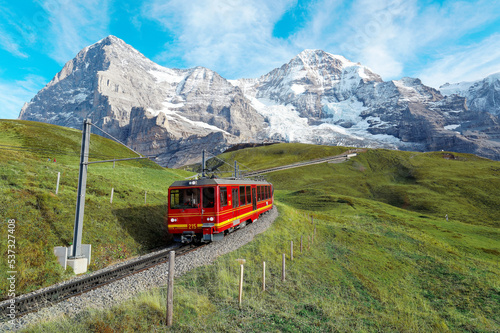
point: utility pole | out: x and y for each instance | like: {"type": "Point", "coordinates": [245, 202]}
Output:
{"type": "Point", "coordinates": [82, 187]}
{"type": "Point", "coordinates": [203, 164]}
{"type": "Point", "coordinates": [78, 257]}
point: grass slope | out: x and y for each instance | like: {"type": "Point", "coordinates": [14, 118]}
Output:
{"type": "Point", "coordinates": [116, 231]}
{"type": "Point", "coordinates": [383, 258]}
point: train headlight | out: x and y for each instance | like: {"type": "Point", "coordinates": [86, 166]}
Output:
{"type": "Point", "coordinates": [172, 220]}
{"type": "Point", "coordinates": [211, 219]}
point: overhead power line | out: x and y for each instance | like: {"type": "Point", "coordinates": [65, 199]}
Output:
{"type": "Point", "coordinates": [112, 137]}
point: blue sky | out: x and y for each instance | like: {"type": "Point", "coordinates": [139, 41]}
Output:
{"type": "Point", "coordinates": [437, 41]}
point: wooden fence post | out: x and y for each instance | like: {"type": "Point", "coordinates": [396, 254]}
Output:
{"type": "Point", "coordinates": [58, 178]}
{"type": "Point", "coordinates": [301, 236]}
{"type": "Point", "coordinates": [283, 268]}
{"type": "Point", "coordinates": [240, 296]}
{"type": "Point", "coordinates": [170, 290]}
{"type": "Point", "coordinates": [263, 276]}
{"type": "Point", "coordinates": [112, 191]}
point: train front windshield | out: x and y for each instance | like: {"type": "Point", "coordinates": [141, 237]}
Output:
{"type": "Point", "coordinates": [185, 198]}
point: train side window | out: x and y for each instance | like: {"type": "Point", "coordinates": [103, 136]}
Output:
{"type": "Point", "coordinates": [174, 199]}
{"type": "Point", "coordinates": [249, 195]}
{"type": "Point", "coordinates": [267, 192]}
{"type": "Point", "coordinates": [223, 196]}
{"type": "Point", "coordinates": [184, 198]}
{"type": "Point", "coordinates": [235, 197]}
{"type": "Point", "coordinates": [259, 193]}
{"type": "Point", "coordinates": [242, 196]}
{"type": "Point", "coordinates": [208, 197]}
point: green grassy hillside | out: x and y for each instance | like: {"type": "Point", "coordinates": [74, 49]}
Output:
{"type": "Point", "coordinates": [116, 231]}
{"type": "Point", "coordinates": [384, 258]}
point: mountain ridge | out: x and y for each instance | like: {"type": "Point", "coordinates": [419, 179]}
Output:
{"type": "Point", "coordinates": [316, 97]}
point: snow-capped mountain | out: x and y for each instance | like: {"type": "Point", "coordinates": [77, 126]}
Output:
{"type": "Point", "coordinates": [322, 98]}
{"type": "Point", "coordinates": [157, 110]}
{"type": "Point", "coordinates": [316, 97]}
{"type": "Point", "coordinates": [482, 95]}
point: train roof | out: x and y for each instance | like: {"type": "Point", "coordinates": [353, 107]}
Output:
{"type": "Point", "coordinates": [218, 181]}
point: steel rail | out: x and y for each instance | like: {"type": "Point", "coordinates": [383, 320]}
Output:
{"type": "Point", "coordinates": [37, 300]}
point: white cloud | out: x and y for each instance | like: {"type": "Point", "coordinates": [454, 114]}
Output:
{"type": "Point", "coordinates": [15, 33]}
{"type": "Point", "coordinates": [7, 43]}
{"type": "Point", "coordinates": [362, 31]}
{"type": "Point", "coordinates": [232, 37]}
{"type": "Point", "coordinates": [75, 24]}
{"type": "Point", "coordinates": [393, 36]}
{"type": "Point", "coordinates": [470, 63]}
{"type": "Point", "coordinates": [14, 94]}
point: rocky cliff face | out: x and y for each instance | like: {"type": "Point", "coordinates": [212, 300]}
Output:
{"type": "Point", "coordinates": [317, 97]}
{"type": "Point", "coordinates": [159, 111]}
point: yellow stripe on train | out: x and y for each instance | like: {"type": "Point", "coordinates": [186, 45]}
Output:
{"type": "Point", "coordinates": [218, 225]}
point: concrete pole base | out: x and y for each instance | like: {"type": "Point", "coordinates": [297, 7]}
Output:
{"type": "Point", "coordinates": [79, 265]}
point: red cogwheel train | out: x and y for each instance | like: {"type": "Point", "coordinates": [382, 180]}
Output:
{"type": "Point", "coordinates": [207, 209]}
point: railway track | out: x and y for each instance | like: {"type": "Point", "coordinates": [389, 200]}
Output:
{"type": "Point", "coordinates": [48, 296]}
{"type": "Point", "coordinates": [337, 158]}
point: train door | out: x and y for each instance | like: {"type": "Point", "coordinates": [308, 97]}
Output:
{"type": "Point", "coordinates": [235, 198]}
{"type": "Point", "coordinates": [254, 198]}
{"type": "Point", "coordinates": [208, 207]}
{"type": "Point", "coordinates": [208, 214]}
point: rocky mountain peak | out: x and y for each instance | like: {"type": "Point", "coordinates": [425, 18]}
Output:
{"type": "Point", "coordinates": [111, 40]}
{"type": "Point", "coordinates": [315, 57]}
{"type": "Point", "coordinates": [482, 95]}
{"type": "Point", "coordinates": [335, 65]}
{"type": "Point", "coordinates": [494, 78]}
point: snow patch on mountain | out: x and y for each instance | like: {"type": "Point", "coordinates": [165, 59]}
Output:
{"type": "Point", "coordinates": [347, 110]}
{"type": "Point", "coordinates": [298, 89]}
{"type": "Point", "coordinates": [285, 123]}
{"type": "Point", "coordinates": [456, 88]}
{"type": "Point", "coordinates": [451, 127]}
{"type": "Point", "coordinates": [163, 74]}
{"type": "Point", "coordinates": [174, 115]}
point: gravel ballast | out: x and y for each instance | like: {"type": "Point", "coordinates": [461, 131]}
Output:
{"type": "Point", "coordinates": [128, 287]}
